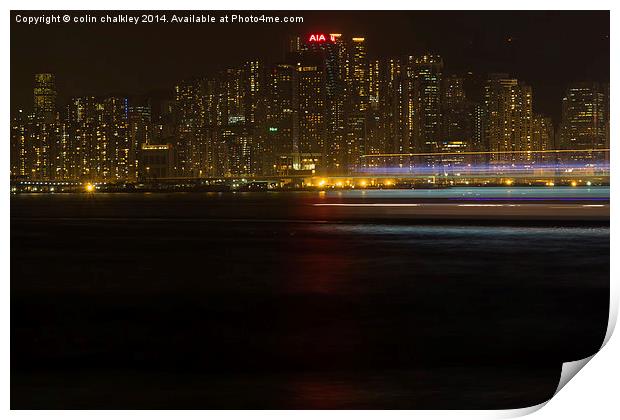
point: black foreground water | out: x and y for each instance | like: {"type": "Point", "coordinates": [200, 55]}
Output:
{"type": "Point", "coordinates": [124, 302]}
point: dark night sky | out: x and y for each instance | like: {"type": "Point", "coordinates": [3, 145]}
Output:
{"type": "Point", "coordinates": [547, 49]}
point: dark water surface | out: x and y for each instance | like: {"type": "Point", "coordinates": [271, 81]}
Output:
{"type": "Point", "coordinates": [267, 301]}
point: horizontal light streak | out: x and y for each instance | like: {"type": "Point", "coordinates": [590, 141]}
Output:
{"type": "Point", "coordinates": [489, 205]}
{"type": "Point", "coordinates": [464, 170]}
{"type": "Point", "coordinates": [441, 205]}
{"type": "Point", "coordinates": [525, 198]}
{"type": "Point", "coordinates": [487, 152]}
{"type": "Point", "coordinates": [367, 205]}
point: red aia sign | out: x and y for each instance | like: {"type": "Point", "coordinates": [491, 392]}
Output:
{"type": "Point", "coordinates": [321, 38]}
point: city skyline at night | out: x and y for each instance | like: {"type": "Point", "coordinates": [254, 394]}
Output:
{"type": "Point", "coordinates": [334, 103]}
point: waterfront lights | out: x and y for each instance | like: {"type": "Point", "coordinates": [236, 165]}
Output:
{"type": "Point", "coordinates": [573, 183]}
{"type": "Point", "coordinates": [89, 187]}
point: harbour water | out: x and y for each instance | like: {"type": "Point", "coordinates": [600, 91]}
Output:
{"type": "Point", "coordinates": [276, 300]}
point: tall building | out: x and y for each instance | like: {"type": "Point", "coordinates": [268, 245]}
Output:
{"type": "Point", "coordinates": [45, 96]}
{"type": "Point", "coordinates": [282, 118]}
{"type": "Point", "coordinates": [37, 138]}
{"type": "Point", "coordinates": [83, 121]}
{"type": "Point", "coordinates": [386, 122]}
{"type": "Point", "coordinates": [255, 88]}
{"type": "Point", "coordinates": [542, 134]}
{"type": "Point", "coordinates": [139, 132]}
{"type": "Point", "coordinates": [61, 151]}
{"type": "Point", "coordinates": [424, 77]}
{"type": "Point", "coordinates": [215, 102]}
{"type": "Point", "coordinates": [455, 113]}
{"type": "Point", "coordinates": [98, 132]}
{"type": "Point", "coordinates": [374, 84]}
{"type": "Point", "coordinates": [459, 128]}
{"type": "Point", "coordinates": [190, 117]}
{"type": "Point", "coordinates": [585, 117]}
{"type": "Point", "coordinates": [311, 93]}
{"type": "Point", "coordinates": [239, 141]}
{"type": "Point", "coordinates": [384, 114]}
{"type": "Point", "coordinates": [236, 132]}
{"type": "Point", "coordinates": [508, 118]}
{"type": "Point", "coordinates": [19, 145]}
{"type": "Point", "coordinates": [359, 78]}
{"type": "Point", "coordinates": [358, 101]}
{"type": "Point", "coordinates": [328, 52]}
{"type": "Point", "coordinates": [113, 144]}
{"type": "Point", "coordinates": [394, 104]}
{"type": "Point", "coordinates": [39, 151]}
{"type": "Point", "coordinates": [479, 143]}
{"type": "Point", "coordinates": [375, 127]}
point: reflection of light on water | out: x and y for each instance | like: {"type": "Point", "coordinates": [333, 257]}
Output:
{"type": "Point", "coordinates": [322, 393]}
{"type": "Point", "coordinates": [472, 233]}
{"type": "Point", "coordinates": [481, 192]}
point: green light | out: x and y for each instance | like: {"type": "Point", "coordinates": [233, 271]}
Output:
{"type": "Point", "coordinates": [273, 129]}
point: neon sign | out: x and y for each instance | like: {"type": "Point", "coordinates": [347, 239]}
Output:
{"type": "Point", "coordinates": [321, 38]}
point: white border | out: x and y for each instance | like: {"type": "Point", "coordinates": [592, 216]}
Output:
{"type": "Point", "coordinates": [592, 394]}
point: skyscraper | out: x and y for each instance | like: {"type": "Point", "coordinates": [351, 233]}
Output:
{"type": "Point", "coordinates": [394, 103]}
{"type": "Point", "coordinates": [584, 117]}
{"type": "Point", "coordinates": [98, 132]}
{"type": "Point", "coordinates": [542, 134]}
{"type": "Point", "coordinates": [139, 132]}
{"type": "Point", "coordinates": [282, 117]}
{"type": "Point", "coordinates": [358, 97]}
{"type": "Point", "coordinates": [44, 96]}
{"type": "Point", "coordinates": [235, 133]}
{"type": "Point", "coordinates": [190, 121]}
{"type": "Point", "coordinates": [454, 110]}
{"type": "Point", "coordinates": [329, 53]}
{"type": "Point", "coordinates": [255, 115]}
{"type": "Point", "coordinates": [312, 111]}
{"type": "Point", "coordinates": [375, 127]}
{"type": "Point", "coordinates": [459, 120]}
{"type": "Point", "coordinates": [508, 115]}
{"type": "Point", "coordinates": [19, 144]}
{"type": "Point", "coordinates": [215, 105]}
{"type": "Point", "coordinates": [425, 75]}
{"type": "Point", "coordinates": [83, 124]}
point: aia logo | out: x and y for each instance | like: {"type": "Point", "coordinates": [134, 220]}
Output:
{"type": "Point", "coordinates": [321, 38]}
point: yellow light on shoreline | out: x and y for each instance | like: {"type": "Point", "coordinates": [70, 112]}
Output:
{"type": "Point", "coordinates": [89, 187]}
